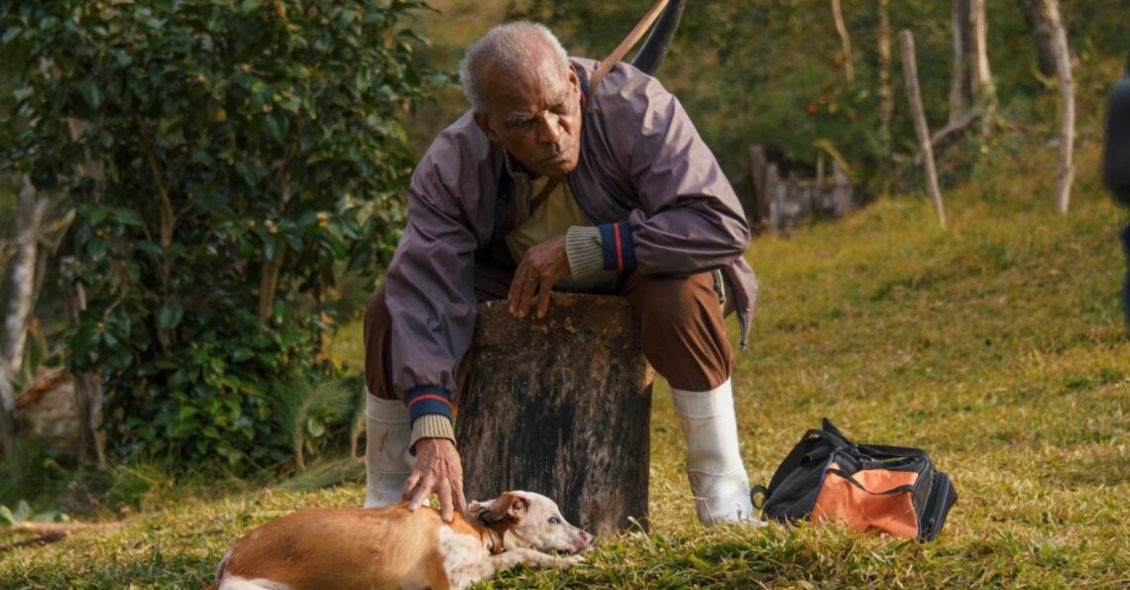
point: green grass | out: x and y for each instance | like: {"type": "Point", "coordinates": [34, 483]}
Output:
{"type": "Point", "coordinates": [997, 345]}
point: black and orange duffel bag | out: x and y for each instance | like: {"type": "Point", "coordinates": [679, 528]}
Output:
{"type": "Point", "coordinates": [826, 477]}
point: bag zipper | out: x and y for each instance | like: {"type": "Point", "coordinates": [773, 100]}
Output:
{"type": "Point", "coordinates": [935, 514]}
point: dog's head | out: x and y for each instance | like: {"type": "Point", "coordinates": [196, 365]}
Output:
{"type": "Point", "coordinates": [531, 521]}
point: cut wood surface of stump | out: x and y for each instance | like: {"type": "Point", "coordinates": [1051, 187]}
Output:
{"type": "Point", "coordinates": [559, 406]}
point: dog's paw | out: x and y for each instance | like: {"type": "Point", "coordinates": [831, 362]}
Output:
{"type": "Point", "coordinates": [566, 562]}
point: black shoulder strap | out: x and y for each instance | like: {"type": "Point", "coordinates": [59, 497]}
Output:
{"type": "Point", "coordinates": [885, 451]}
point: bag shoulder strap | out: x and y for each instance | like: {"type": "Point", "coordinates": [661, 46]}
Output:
{"type": "Point", "coordinates": [877, 451]}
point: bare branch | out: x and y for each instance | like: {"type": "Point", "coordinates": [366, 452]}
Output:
{"type": "Point", "coordinates": [910, 70]}
{"type": "Point", "coordinates": [845, 41]}
{"type": "Point", "coordinates": [1066, 176]}
{"type": "Point", "coordinates": [886, 93]}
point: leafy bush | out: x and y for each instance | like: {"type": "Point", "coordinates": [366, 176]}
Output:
{"type": "Point", "coordinates": [225, 160]}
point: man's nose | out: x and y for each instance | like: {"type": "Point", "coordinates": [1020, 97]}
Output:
{"type": "Point", "coordinates": [549, 128]}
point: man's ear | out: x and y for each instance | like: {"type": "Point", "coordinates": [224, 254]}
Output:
{"type": "Point", "coordinates": [484, 123]}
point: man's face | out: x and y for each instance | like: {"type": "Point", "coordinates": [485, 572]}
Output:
{"type": "Point", "coordinates": [534, 114]}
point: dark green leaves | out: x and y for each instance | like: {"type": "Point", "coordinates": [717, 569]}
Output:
{"type": "Point", "coordinates": [197, 142]}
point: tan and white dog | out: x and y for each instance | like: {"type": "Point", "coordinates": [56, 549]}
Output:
{"type": "Point", "coordinates": [392, 547]}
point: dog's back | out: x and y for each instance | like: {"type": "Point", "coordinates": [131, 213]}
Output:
{"type": "Point", "coordinates": [347, 548]}
{"type": "Point", "coordinates": [387, 547]}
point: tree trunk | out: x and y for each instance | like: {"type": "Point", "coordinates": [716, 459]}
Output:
{"type": "Point", "coordinates": [984, 90]}
{"type": "Point", "coordinates": [21, 279]}
{"type": "Point", "coordinates": [272, 266]}
{"type": "Point", "coordinates": [8, 432]}
{"type": "Point", "coordinates": [21, 288]}
{"type": "Point", "coordinates": [886, 93]}
{"type": "Point", "coordinates": [910, 70]}
{"type": "Point", "coordinates": [960, 92]}
{"type": "Point", "coordinates": [845, 41]}
{"type": "Point", "coordinates": [88, 386]}
{"type": "Point", "coordinates": [559, 406]}
{"type": "Point", "coordinates": [1051, 16]}
{"type": "Point", "coordinates": [1043, 35]}
{"type": "Point", "coordinates": [88, 392]}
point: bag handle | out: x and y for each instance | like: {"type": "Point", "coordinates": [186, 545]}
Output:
{"type": "Point", "coordinates": [758, 495]}
{"type": "Point", "coordinates": [868, 449]}
{"type": "Point", "coordinates": [896, 490]}
{"type": "Point", "coordinates": [832, 435]}
{"type": "Point", "coordinates": [890, 451]}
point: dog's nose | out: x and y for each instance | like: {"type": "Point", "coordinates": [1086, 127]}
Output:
{"type": "Point", "coordinates": [587, 538]}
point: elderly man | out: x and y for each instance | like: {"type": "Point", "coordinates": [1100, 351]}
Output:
{"type": "Point", "coordinates": [549, 181]}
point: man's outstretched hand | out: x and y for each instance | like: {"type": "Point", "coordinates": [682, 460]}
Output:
{"type": "Point", "coordinates": [440, 470]}
{"type": "Point", "coordinates": [543, 265]}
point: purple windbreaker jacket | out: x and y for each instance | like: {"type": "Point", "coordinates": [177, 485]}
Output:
{"type": "Point", "coordinates": [643, 168]}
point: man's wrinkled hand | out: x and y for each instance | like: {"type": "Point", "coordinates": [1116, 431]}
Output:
{"type": "Point", "coordinates": [541, 268]}
{"type": "Point", "coordinates": [438, 469]}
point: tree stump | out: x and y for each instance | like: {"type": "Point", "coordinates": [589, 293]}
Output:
{"type": "Point", "coordinates": [559, 406]}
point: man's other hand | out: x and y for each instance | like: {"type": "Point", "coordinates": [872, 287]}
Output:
{"type": "Point", "coordinates": [440, 470]}
{"type": "Point", "coordinates": [543, 265]}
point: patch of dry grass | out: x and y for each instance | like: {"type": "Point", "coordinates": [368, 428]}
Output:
{"type": "Point", "coordinates": [998, 346]}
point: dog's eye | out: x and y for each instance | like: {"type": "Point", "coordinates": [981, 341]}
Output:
{"type": "Point", "coordinates": [554, 520]}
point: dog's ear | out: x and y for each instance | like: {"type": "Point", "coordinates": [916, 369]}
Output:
{"type": "Point", "coordinates": [518, 506]}
{"type": "Point", "coordinates": [507, 508]}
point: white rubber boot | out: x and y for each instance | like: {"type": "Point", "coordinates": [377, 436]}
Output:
{"type": "Point", "coordinates": [714, 464]}
{"type": "Point", "coordinates": [387, 460]}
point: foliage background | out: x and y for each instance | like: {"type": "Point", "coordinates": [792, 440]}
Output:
{"type": "Point", "coordinates": [996, 345]}
{"type": "Point", "coordinates": [771, 73]}
{"type": "Point", "coordinates": [228, 162]}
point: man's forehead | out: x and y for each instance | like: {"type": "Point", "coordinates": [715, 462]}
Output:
{"type": "Point", "coordinates": [539, 79]}
{"type": "Point", "coordinates": [528, 92]}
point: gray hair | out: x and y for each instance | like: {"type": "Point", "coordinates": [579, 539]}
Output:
{"type": "Point", "coordinates": [507, 46]}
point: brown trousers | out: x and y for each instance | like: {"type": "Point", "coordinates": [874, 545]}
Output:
{"type": "Point", "coordinates": [681, 323]}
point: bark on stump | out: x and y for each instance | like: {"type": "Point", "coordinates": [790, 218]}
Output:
{"type": "Point", "coordinates": [559, 406]}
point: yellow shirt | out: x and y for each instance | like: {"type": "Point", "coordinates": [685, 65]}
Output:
{"type": "Point", "coordinates": [554, 217]}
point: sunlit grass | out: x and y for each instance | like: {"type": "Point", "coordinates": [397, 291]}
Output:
{"type": "Point", "coordinates": [997, 345]}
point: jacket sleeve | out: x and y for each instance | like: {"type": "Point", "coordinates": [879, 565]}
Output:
{"type": "Point", "coordinates": [688, 218]}
{"type": "Point", "coordinates": [430, 291]}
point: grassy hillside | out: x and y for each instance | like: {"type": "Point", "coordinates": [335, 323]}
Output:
{"type": "Point", "coordinates": [996, 345]}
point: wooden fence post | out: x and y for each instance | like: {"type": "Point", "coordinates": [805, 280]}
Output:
{"type": "Point", "coordinates": [759, 215]}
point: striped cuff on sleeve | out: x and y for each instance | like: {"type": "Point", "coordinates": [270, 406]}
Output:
{"type": "Point", "coordinates": [428, 399]}
{"type": "Point", "coordinates": [431, 426]}
{"type": "Point", "coordinates": [582, 246]}
{"type": "Point", "coordinates": [619, 249]}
